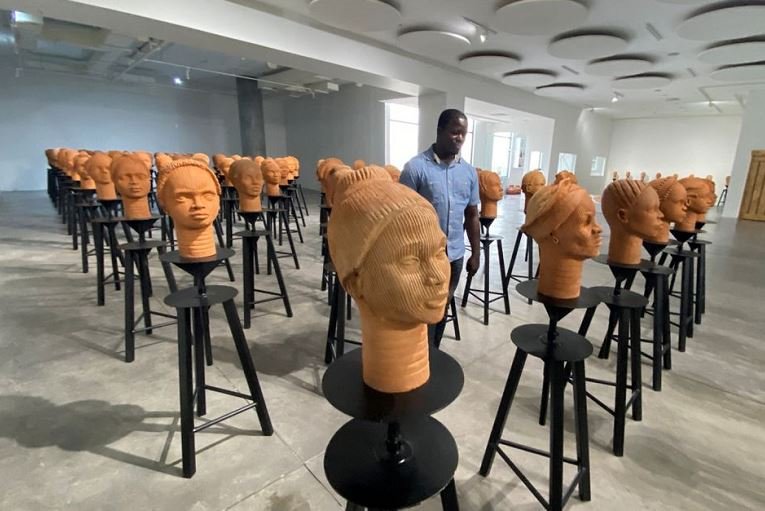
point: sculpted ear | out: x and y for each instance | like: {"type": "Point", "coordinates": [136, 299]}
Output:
{"type": "Point", "coordinates": [621, 214]}
{"type": "Point", "coordinates": [354, 285]}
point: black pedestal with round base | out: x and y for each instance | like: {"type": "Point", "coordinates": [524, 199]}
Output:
{"type": "Point", "coordinates": [192, 305]}
{"type": "Point", "coordinates": [486, 295]}
{"type": "Point", "coordinates": [684, 260]}
{"type": "Point", "coordinates": [563, 353]}
{"type": "Point", "coordinates": [277, 221]}
{"type": "Point", "coordinates": [104, 233]}
{"type": "Point", "coordinates": [392, 455]}
{"type": "Point", "coordinates": [528, 257]}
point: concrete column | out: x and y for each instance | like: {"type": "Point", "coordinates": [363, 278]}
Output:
{"type": "Point", "coordinates": [431, 106]}
{"type": "Point", "coordinates": [750, 139]}
{"type": "Point", "coordinates": [251, 122]}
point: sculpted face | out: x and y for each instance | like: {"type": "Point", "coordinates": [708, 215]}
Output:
{"type": "Point", "coordinates": [79, 165]}
{"type": "Point", "coordinates": [247, 178]}
{"type": "Point", "coordinates": [698, 192]}
{"type": "Point", "coordinates": [284, 169]}
{"type": "Point", "coordinates": [675, 206]}
{"type": "Point", "coordinates": [131, 177]}
{"type": "Point", "coordinates": [190, 197]}
{"type": "Point", "coordinates": [490, 186]}
{"type": "Point", "coordinates": [406, 279]}
{"type": "Point", "coordinates": [532, 182]}
{"type": "Point", "coordinates": [645, 218]}
{"type": "Point", "coordinates": [579, 236]}
{"type": "Point", "coordinates": [98, 168]}
{"type": "Point", "coordinates": [225, 166]}
{"type": "Point", "coordinates": [271, 172]}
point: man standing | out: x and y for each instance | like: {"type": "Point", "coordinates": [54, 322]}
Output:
{"type": "Point", "coordinates": [450, 184]}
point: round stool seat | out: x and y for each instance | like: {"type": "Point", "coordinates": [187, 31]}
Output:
{"type": "Point", "coordinates": [569, 346]}
{"type": "Point", "coordinates": [625, 299]}
{"type": "Point", "coordinates": [190, 298]}
{"type": "Point", "coordinates": [142, 245]}
{"type": "Point", "coordinates": [257, 233]}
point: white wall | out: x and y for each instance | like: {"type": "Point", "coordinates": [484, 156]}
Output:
{"type": "Point", "coordinates": [42, 110]}
{"type": "Point", "coordinates": [349, 125]}
{"type": "Point", "coordinates": [682, 145]}
{"type": "Point", "coordinates": [752, 138]}
{"type": "Point", "coordinates": [591, 137]}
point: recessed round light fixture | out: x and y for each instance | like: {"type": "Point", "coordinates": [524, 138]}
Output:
{"type": "Point", "coordinates": [435, 43]}
{"type": "Point", "coordinates": [560, 90]}
{"type": "Point", "coordinates": [725, 20]}
{"type": "Point", "coordinates": [489, 62]}
{"type": "Point", "coordinates": [529, 77]}
{"type": "Point", "coordinates": [586, 45]}
{"type": "Point", "coordinates": [539, 17]}
{"type": "Point", "coordinates": [643, 81]}
{"type": "Point", "coordinates": [753, 71]}
{"type": "Point", "coordinates": [356, 15]}
{"type": "Point", "coordinates": [618, 65]}
{"type": "Point", "coordinates": [734, 52]}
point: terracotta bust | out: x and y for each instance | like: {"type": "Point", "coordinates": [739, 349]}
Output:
{"type": "Point", "coordinates": [162, 160]}
{"type": "Point", "coordinates": [632, 211]}
{"type": "Point", "coordinates": [86, 181]}
{"type": "Point", "coordinates": [294, 166]}
{"type": "Point", "coordinates": [565, 174]}
{"type": "Point", "coordinates": [711, 196]}
{"type": "Point", "coordinates": [658, 175]}
{"type": "Point", "coordinates": [359, 164]}
{"type": "Point", "coordinates": [284, 170]}
{"type": "Point", "coordinates": [697, 203]}
{"type": "Point", "coordinates": [490, 191]}
{"type": "Point", "coordinates": [272, 175]}
{"type": "Point", "coordinates": [321, 170]}
{"type": "Point", "coordinates": [248, 180]}
{"type": "Point", "coordinates": [334, 175]}
{"type": "Point", "coordinates": [348, 179]}
{"type": "Point", "coordinates": [66, 160]}
{"type": "Point", "coordinates": [51, 155]}
{"type": "Point", "coordinates": [561, 218]}
{"type": "Point", "coordinates": [225, 167]}
{"type": "Point", "coordinates": [98, 168]}
{"type": "Point", "coordinates": [530, 184]}
{"type": "Point", "coordinates": [394, 173]}
{"type": "Point", "coordinates": [217, 157]}
{"type": "Point", "coordinates": [132, 180]}
{"type": "Point", "coordinates": [673, 202]}
{"type": "Point", "coordinates": [614, 175]}
{"type": "Point", "coordinates": [390, 255]}
{"type": "Point", "coordinates": [190, 193]}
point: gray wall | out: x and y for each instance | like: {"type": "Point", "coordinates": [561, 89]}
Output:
{"type": "Point", "coordinates": [42, 109]}
{"type": "Point", "coordinates": [349, 125]}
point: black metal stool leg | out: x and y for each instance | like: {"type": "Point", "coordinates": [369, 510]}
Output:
{"type": "Point", "coordinates": [557, 385]}
{"type": "Point", "coordinates": [116, 254]}
{"type": "Point", "coordinates": [449, 498]}
{"type": "Point", "coordinates": [199, 361]}
{"type": "Point", "coordinates": [544, 400]}
{"type": "Point", "coordinates": [637, 368]}
{"type": "Point", "coordinates": [582, 429]}
{"type": "Point", "coordinates": [289, 239]}
{"type": "Point", "coordinates": [186, 385]}
{"type": "Point", "coordinates": [605, 349]}
{"type": "Point", "coordinates": [247, 277]}
{"type": "Point", "coordinates": [98, 241]}
{"type": "Point", "coordinates": [274, 261]}
{"type": "Point", "coordinates": [505, 294]}
{"type": "Point", "coordinates": [466, 292]}
{"type": "Point", "coordinates": [620, 405]}
{"type": "Point", "coordinates": [129, 308]}
{"type": "Point", "coordinates": [513, 258]}
{"type": "Point", "coordinates": [331, 331]}
{"type": "Point", "coordinates": [666, 324]}
{"type": "Point", "coordinates": [456, 319]}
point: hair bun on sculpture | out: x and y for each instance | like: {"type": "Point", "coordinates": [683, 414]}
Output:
{"type": "Point", "coordinates": [550, 207]}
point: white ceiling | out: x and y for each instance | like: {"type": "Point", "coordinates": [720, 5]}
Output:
{"type": "Point", "coordinates": [670, 39]}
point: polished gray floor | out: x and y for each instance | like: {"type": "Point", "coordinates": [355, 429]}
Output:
{"type": "Point", "coordinates": [81, 429]}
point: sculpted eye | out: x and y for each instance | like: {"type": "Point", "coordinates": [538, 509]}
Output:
{"type": "Point", "coordinates": [410, 260]}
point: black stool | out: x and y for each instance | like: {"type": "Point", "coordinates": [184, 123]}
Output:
{"type": "Point", "coordinates": [453, 318]}
{"type": "Point", "coordinates": [483, 295]}
{"type": "Point", "coordinates": [684, 260]}
{"type": "Point", "coordinates": [528, 257]}
{"type": "Point", "coordinates": [278, 223]}
{"type": "Point", "coordinates": [87, 211]}
{"type": "Point", "coordinates": [78, 197]}
{"type": "Point", "coordinates": [285, 201]}
{"type": "Point", "coordinates": [301, 197]}
{"type": "Point", "coordinates": [563, 353]}
{"type": "Point", "coordinates": [293, 193]}
{"type": "Point", "coordinates": [191, 305]}
{"type": "Point", "coordinates": [339, 311]}
{"type": "Point", "coordinates": [137, 253]}
{"type": "Point", "coordinates": [104, 231]}
{"type": "Point", "coordinates": [657, 282]}
{"type": "Point", "coordinates": [225, 262]}
{"type": "Point", "coordinates": [229, 202]}
{"type": "Point", "coordinates": [250, 240]}
{"type": "Point", "coordinates": [392, 454]}
{"type": "Point", "coordinates": [700, 247]}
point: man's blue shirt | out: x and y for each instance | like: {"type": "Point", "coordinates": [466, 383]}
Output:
{"type": "Point", "coordinates": [450, 188]}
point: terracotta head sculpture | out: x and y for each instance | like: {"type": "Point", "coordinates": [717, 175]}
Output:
{"type": "Point", "coordinates": [217, 157]}
{"type": "Point", "coordinates": [248, 180]}
{"type": "Point", "coordinates": [565, 175]}
{"type": "Point", "coordinates": [394, 173]}
{"type": "Point", "coordinates": [284, 169]}
{"type": "Point", "coordinates": [190, 193]}
{"type": "Point", "coordinates": [162, 160]}
{"type": "Point", "coordinates": [66, 160]}
{"type": "Point", "coordinates": [294, 166]}
{"type": "Point", "coordinates": [98, 168]}
{"type": "Point", "coordinates": [144, 157]}
{"type": "Point", "coordinates": [201, 157]}
{"type": "Point", "coordinates": [711, 196]}
{"type": "Point", "coordinates": [331, 179]}
{"type": "Point", "coordinates": [359, 164]}
{"type": "Point", "coordinates": [390, 255]}
{"type": "Point", "coordinates": [490, 191]}
{"type": "Point", "coordinates": [673, 202]}
{"type": "Point", "coordinates": [531, 183]}
{"type": "Point", "coordinates": [86, 181]}
{"type": "Point", "coordinates": [224, 167]}
{"type": "Point", "coordinates": [272, 175]}
{"type": "Point", "coordinates": [698, 190]}
{"type": "Point", "coordinates": [561, 219]}
{"type": "Point", "coordinates": [51, 155]}
{"type": "Point", "coordinates": [658, 175]}
{"type": "Point", "coordinates": [132, 180]}
{"type": "Point", "coordinates": [643, 176]}
{"type": "Point", "coordinates": [322, 168]}
{"type": "Point", "coordinates": [614, 175]}
{"type": "Point", "coordinates": [632, 211]}
{"type": "Point", "coordinates": [347, 179]}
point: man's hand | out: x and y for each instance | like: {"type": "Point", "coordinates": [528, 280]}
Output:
{"type": "Point", "coordinates": [473, 263]}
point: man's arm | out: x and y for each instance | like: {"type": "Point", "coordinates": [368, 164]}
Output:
{"type": "Point", "coordinates": [409, 177]}
{"type": "Point", "coordinates": [473, 228]}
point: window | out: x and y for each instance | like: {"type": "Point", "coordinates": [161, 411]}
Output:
{"type": "Point", "coordinates": [535, 160]}
{"type": "Point", "coordinates": [598, 166]}
{"type": "Point", "coordinates": [500, 152]}
{"type": "Point", "coordinates": [567, 161]}
{"type": "Point", "coordinates": [402, 133]}
{"type": "Point", "coordinates": [467, 146]}
{"type": "Point", "coordinates": [519, 152]}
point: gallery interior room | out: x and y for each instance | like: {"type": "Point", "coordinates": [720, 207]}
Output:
{"type": "Point", "coordinates": [307, 255]}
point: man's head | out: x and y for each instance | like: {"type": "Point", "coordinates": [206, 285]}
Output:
{"type": "Point", "coordinates": [450, 132]}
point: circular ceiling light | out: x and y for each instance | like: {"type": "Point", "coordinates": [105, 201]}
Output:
{"type": "Point", "coordinates": [535, 17]}
{"type": "Point", "coordinates": [489, 62]}
{"type": "Point", "coordinates": [618, 65]}
{"type": "Point", "coordinates": [684, 2]}
{"type": "Point", "coordinates": [740, 72]}
{"type": "Point", "coordinates": [356, 15]}
{"type": "Point", "coordinates": [529, 77]}
{"type": "Point", "coordinates": [643, 81]}
{"type": "Point", "coordinates": [586, 45]}
{"type": "Point", "coordinates": [734, 52]}
{"type": "Point", "coordinates": [724, 21]}
{"type": "Point", "coordinates": [560, 90]}
{"type": "Point", "coordinates": [437, 43]}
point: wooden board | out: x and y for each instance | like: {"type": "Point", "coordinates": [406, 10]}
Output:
{"type": "Point", "coordinates": [753, 203]}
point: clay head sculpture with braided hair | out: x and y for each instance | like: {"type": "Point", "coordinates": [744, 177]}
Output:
{"type": "Point", "coordinates": [531, 182]}
{"type": "Point", "coordinates": [698, 190]}
{"type": "Point", "coordinates": [248, 180]}
{"type": "Point", "coordinates": [132, 180]}
{"type": "Point", "coordinates": [390, 255]}
{"type": "Point", "coordinates": [190, 193]}
{"type": "Point", "coordinates": [561, 219]}
{"type": "Point", "coordinates": [633, 213]}
{"type": "Point", "coordinates": [99, 169]}
{"type": "Point", "coordinates": [80, 168]}
{"type": "Point", "coordinates": [673, 202]}
{"type": "Point", "coordinates": [393, 172]}
{"type": "Point", "coordinates": [272, 176]}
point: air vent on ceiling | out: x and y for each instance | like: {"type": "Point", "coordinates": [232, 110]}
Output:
{"type": "Point", "coordinates": [655, 33]}
{"type": "Point", "coordinates": [570, 70]}
{"type": "Point", "coordinates": [692, 72]}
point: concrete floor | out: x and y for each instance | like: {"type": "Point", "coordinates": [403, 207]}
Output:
{"type": "Point", "coordinates": [81, 429]}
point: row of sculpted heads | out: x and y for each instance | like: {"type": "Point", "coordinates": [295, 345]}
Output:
{"type": "Point", "coordinates": [288, 167]}
{"type": "Point", "coordinates": [330, 170]}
